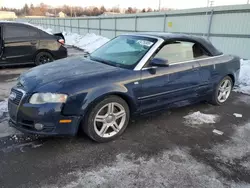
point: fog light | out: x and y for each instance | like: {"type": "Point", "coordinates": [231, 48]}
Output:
{"type": "Point", "coordinates": [39, 126]}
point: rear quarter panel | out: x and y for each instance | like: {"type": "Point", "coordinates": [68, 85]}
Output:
{"type": "Point", "coordinates": [214, 70]}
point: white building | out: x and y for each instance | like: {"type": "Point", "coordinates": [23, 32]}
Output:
{"type": "Point", "coordinates": [7, 15]}
{"type": "Point", "coordinates": [61, 15]}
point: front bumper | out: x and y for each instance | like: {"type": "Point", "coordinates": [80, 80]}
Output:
{"type": "Point", "coordinates": [24, 116]}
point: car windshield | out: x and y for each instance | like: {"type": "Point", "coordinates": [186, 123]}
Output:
{"type": "Point", "coordinates": [123, 51]}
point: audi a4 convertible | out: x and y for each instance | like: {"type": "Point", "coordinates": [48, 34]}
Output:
{"type": "Point", "coordinates": [130, 75]}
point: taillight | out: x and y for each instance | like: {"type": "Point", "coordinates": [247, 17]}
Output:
{"type": "Point", "coordinates": [61, 41]}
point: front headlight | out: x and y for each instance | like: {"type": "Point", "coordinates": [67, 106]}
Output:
{"type": "Point", "coordinates": [42, 98]}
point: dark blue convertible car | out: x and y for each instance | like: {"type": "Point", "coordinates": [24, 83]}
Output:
{"type": "Point", "coordinates": [132, 74]}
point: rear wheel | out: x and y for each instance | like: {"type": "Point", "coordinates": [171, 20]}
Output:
{"type": "Point", "coordinates": [107, 120]}
{"type": "Point", "coordinates": [223, 91]}
{"type": "Point", "coordinates": [43, 57]}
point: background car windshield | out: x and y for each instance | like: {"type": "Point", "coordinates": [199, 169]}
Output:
{"type": "Point", "coordinates": [124, 51]}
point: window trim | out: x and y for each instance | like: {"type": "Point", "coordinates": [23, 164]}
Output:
{"type": "Point", "coordinates": [169, 41]}
{"type": "Point", "coordinates": [27, 27]}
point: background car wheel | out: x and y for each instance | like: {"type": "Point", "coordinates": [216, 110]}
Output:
{"type": "Point", "coordinates": [107, 120]}
{"type": "Point", "coordinates": [43, 57]}
{"type": "Point", "coordinates": [222, 91]}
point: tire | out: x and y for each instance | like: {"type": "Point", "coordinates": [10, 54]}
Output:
{"type": "Point", "coordinates": [43, 57]}
{"type": "Point", "coordinates": [218, 99]}
{"type": "Point", "coordinates": [100, 124]}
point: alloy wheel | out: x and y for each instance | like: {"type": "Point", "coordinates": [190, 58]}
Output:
{"type": "Point", "coordinates": [109, 120]}
{"type": "Point", "coordinates": [224, 90]}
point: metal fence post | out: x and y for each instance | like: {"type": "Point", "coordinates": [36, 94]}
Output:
{"type": "Point", "coordinates": [100, 26]}
{"type": "Point", "coordinates": [78, 25]}
{"type": "Point", "coordinates": [71, 24]}
{"type": "Point", "coordinates": [88, 24]}
{"type": "Point", "coordinates": [136, 23]}
{"type": "Point", "coordinates": [115, 25]}
{"type": "Point", "coordinates": [210, 23]}
{"type": "Point", "coordinates": [55, 26]}
{"type": "Point", "coordinates": [64, 25]}
{"type": "Point", "coordinates": [164, 24]}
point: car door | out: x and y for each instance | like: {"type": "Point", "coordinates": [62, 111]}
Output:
{"type": "Point", "coordinates": [175, 84]}
{"type": "Point", "coordinates": [20, 43]}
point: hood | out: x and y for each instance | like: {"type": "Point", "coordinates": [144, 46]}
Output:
{"type": "Point", "coordinates": [61, 71]}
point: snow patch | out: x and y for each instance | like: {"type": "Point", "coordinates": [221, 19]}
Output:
{"type": "Point", "coordinates": [174, 168]}
{"type": "Point", "coordinates": [88, 42]}
{"type": "Point", "coordinates": [3, 107]}
{"type": "Point", "coordinates": [244, 78]}
{"type": "Point", "coordinates": [198, 118]}
{"type": "Point", "coordinates": [237, 115]}
{"type": "Point", "coordinates": [21, 147]}
{"type": "Point", "coordinates": [6, 130]}
{"type": "Point", "coordinates": [236, 148]}
{"type": "Point", "coordinates": [215, 131]}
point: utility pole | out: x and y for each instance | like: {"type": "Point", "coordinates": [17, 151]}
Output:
{"type": "Point", "coordinates": [159, 5]}
{"type": "Point", "coordinates": [247, 1]}
{"type": "Point", "coordinates": [211, 3]}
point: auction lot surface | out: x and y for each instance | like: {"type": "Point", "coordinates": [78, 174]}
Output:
{"type": "Point", "coordinates": [167, 149]}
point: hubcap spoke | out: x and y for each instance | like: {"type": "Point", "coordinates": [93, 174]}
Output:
{"type": "Point", "coordinates": [225, 84]}
{"type": "Point", "coordinates": [110, 108]}
{"type": "Point", "coordinates": [115, 127]}
{"type": "Point", "coordinates": [104, 129]}
{"type": "Point", "coordinates": [100, 118]}
{"type": "Point", "coordinates": [227, 89]}
{"type": "Point", "coordinates": [120, 114]}
{"type": "Point", "coordinates": [220, 96]}
{"type": "Point", "coordinates": [221, 89]}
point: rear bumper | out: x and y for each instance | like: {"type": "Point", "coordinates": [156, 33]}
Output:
{"type": "Point", "coordinates": [61, 53]}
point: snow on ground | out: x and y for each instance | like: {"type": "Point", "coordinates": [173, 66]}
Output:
{"type": "Point", "coordinates": [173, 168]}
{"type": "Point", "coordinates": [6, 130]}
{"type": "Point", "coordinates": [244, 78]}
{"type": "Point", "coordinates": [198, 118]}
{"type": "Point", "coordinates": [236, 148]}
{"type": "Point", "coordinates": [88, 42]}
{"type": "Point", "coordinates": [3, 108]}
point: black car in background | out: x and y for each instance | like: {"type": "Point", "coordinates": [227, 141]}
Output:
{"type": "Point", "coordinates": [24, 44]}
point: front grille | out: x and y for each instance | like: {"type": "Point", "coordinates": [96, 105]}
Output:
{"type": "Point", "coordinates": [18, 97]}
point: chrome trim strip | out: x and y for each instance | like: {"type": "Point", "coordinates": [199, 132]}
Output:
{"type": "Point", "coordinates": [194, 60]}
{"type": "Point", "coordinates": [148, 55]}
{"type": "Point", "coordinates": [167, 92]}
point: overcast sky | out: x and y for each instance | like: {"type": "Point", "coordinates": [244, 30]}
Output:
{"type": "Point", "coordinates": [179, 4]}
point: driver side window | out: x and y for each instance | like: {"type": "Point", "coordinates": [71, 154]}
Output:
{"type": "Point", "coordinates": [180, 51]}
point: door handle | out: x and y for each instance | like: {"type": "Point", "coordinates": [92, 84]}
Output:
{"type": "Point", "coordinates": [33, 43]}
{"type": "Point", "coordinates": [195, 67]}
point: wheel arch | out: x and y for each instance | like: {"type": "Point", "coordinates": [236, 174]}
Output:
{"type": "Point", "coordinates": [232, 77]}
{"type": "Point", "coordinates": [130, 102]}
{"type": "Point", "coordinates": [42, 50]}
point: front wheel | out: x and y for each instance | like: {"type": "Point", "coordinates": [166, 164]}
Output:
{"type": "Point", "coordinates": [223, 91]}
{"type": "Point", "coordinates": [107, 120]}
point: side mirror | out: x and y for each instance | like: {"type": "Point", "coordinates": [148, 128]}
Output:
{"type": "Point", "coordinates": [159, 62]}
